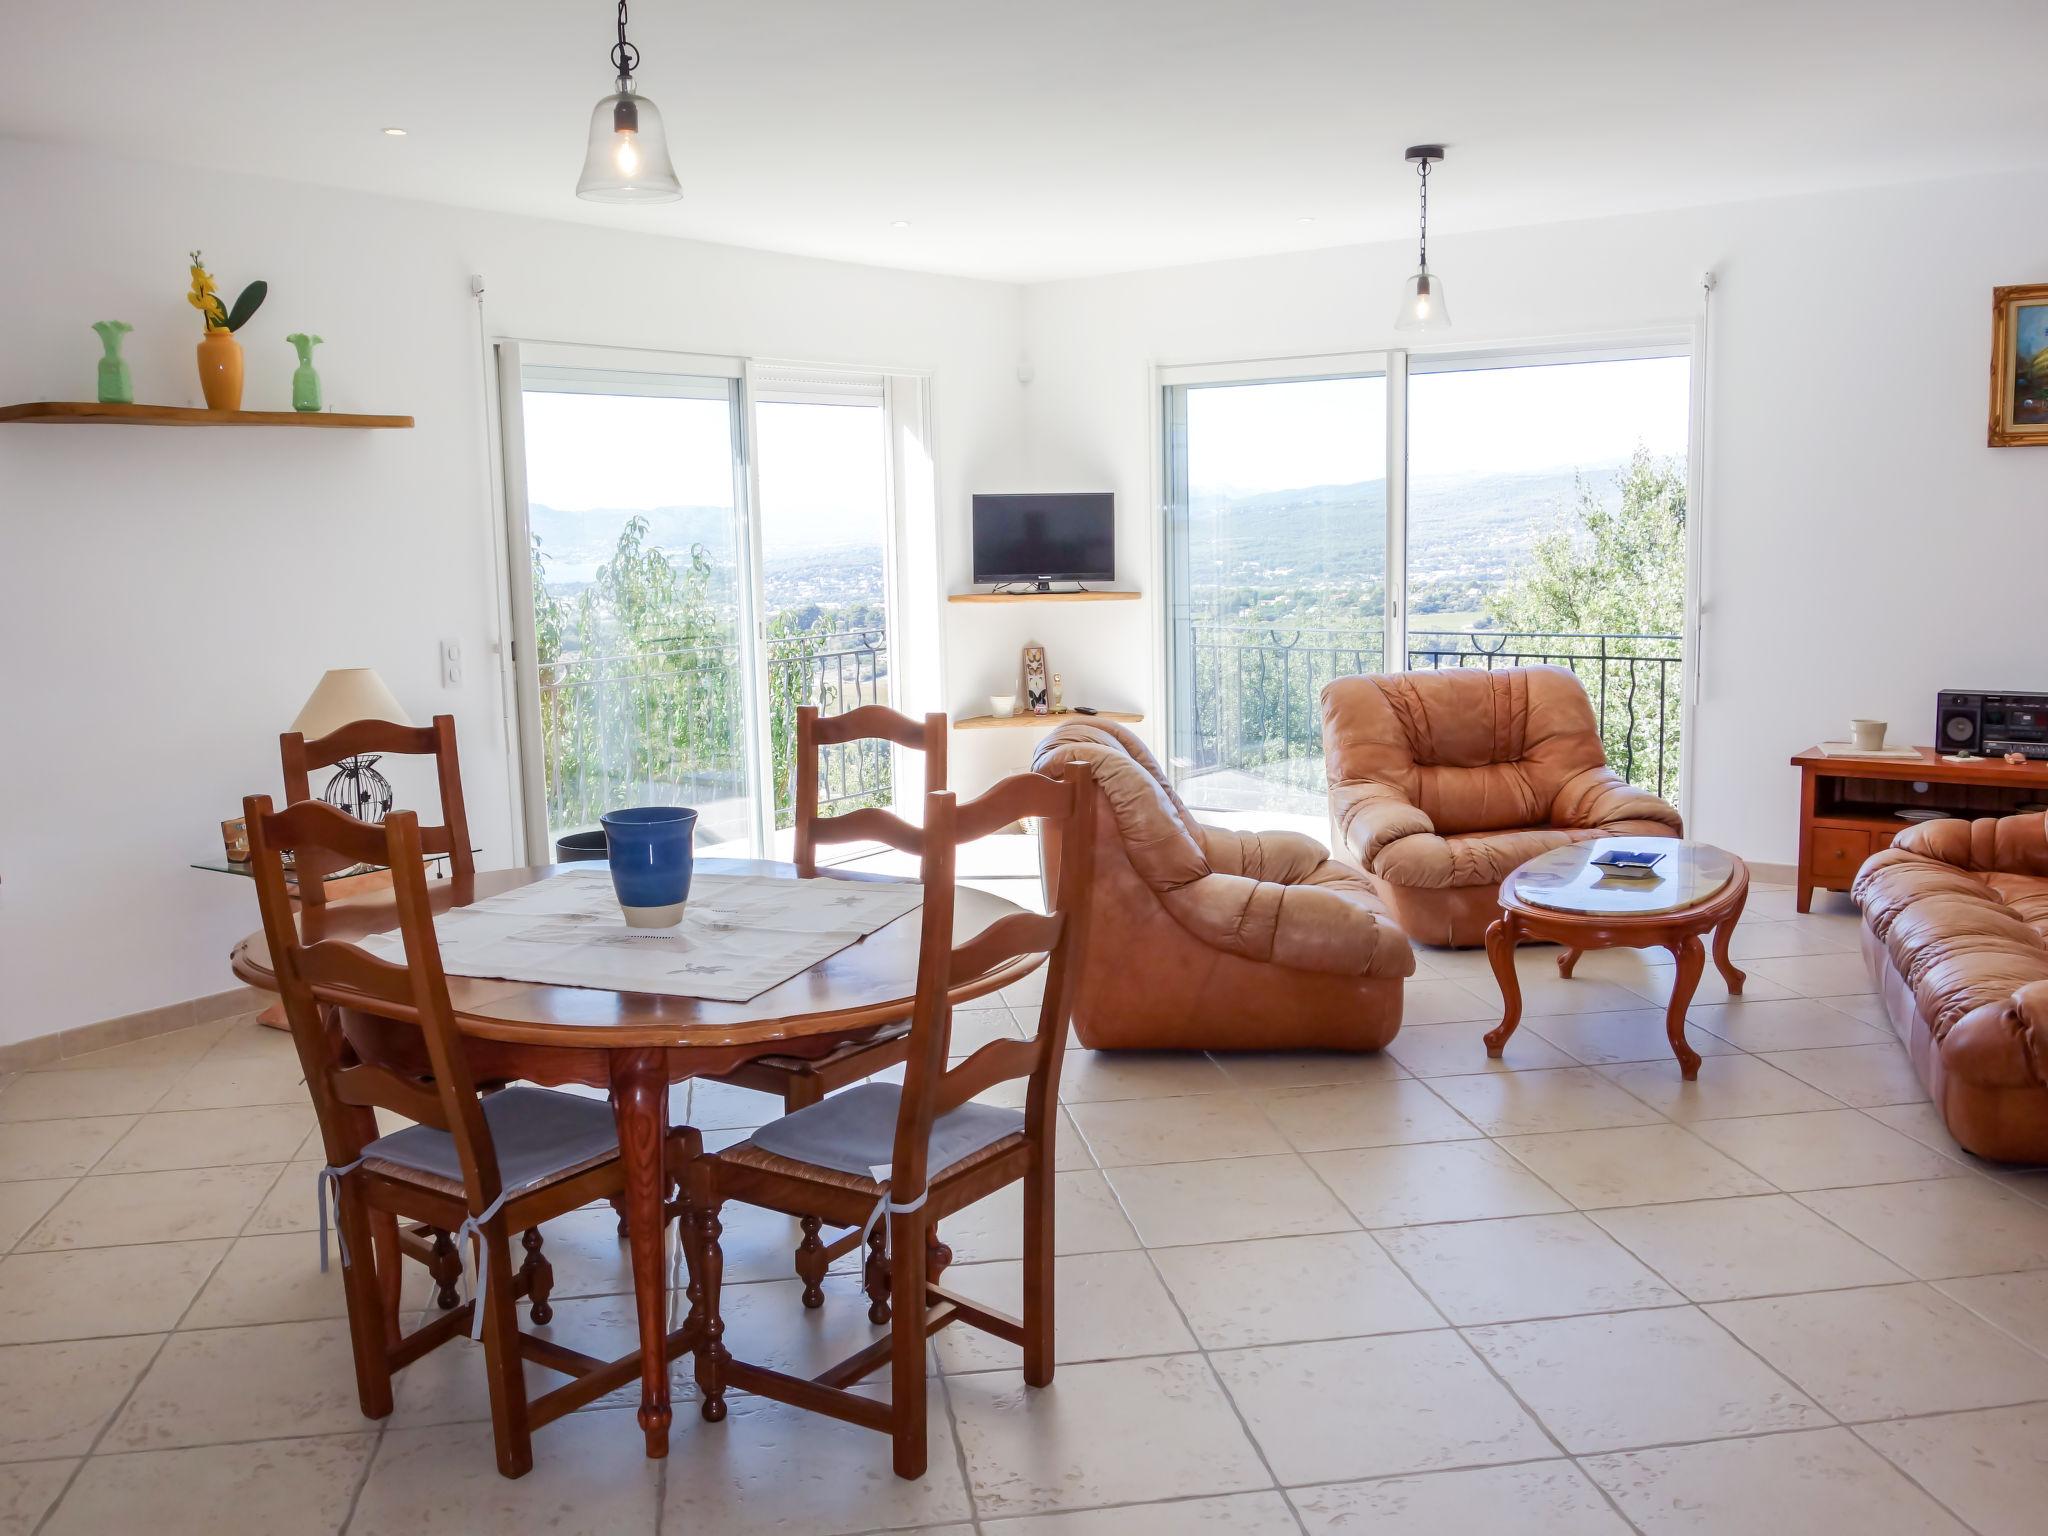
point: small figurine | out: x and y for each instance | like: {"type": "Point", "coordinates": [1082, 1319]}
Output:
{"type": "Point", "coordinates": [1036, 700]}
{"type": "Point", "coordinates": [1059, 695]}
{"type": "Point", "coordinates": [305, 381]}
{"type": "Point", "coordinates": [117, 385]}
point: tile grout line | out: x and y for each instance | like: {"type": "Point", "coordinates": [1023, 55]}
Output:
{"type": "Point", "coordinates": [135, 1386]}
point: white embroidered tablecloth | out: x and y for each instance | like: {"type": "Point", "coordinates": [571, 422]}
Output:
{"type": "Point", "coordinates": [740, 934]}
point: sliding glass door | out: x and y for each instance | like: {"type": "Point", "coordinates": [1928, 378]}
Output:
{"type": "Point", "coordinates": [1547, 524]}
{"type": "Point", "coordinates": [1277, 575]}
{"type": "Point", "coordinates": [638, 570]}
{"type": "Point", "coordinates": [1440, 511]}
{"type": "Point", "coordinates": [821, 445]}
{"type": "Point", "coordinates": [697, 552]}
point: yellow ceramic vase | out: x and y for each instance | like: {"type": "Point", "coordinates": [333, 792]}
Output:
{"type": "Point", "coordinates": [220, 370]}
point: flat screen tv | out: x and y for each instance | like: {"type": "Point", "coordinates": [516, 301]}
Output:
{"type": "Point", "coordinates": [1044, 538]}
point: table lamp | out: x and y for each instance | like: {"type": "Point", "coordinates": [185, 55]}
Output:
{"type": "Point", "coordinates": [344, 696]}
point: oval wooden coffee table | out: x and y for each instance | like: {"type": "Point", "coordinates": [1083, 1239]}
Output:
{"type": "Point", "coordinates": [1561, 898]}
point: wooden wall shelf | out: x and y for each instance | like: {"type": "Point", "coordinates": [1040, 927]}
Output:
{"type": "Point", "coordinates": [1061, 717]}
{"type": "Point", "coordinates": [1044, 597]}
{"type": "Point", "coordinates": [91, 412]}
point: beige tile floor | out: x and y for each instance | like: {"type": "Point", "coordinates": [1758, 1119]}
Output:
{"type": "Point", "coordinates": [1415, 1292]}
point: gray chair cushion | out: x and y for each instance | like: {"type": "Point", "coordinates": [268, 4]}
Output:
{"type": "Point", "coordinates": [540, 1136]}
{"type": "Point", "coordinates": [854, 1132]}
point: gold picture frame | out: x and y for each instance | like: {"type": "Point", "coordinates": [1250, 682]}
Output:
{"type": "Point", "coordinates": [2019, 366]}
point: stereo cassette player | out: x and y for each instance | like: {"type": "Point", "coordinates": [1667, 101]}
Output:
{"type": "Point", "coordinates": [1992, 724]}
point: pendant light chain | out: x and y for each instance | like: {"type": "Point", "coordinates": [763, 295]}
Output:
{"type": "Point", "coordinates": [1422, 169]}
{"type": "Point", "coordinates": [625, 57]}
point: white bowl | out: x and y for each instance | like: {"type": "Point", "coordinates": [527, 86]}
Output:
{"type": "Point", "coordinates": [1002, 705]}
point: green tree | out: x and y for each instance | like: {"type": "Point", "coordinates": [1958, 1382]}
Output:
{"type": "Point", "coordinates": [1613, 578]}
{"type": "Point", "coordinates": [641, 695]}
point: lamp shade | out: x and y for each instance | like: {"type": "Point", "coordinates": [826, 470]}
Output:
{"type": "Point", "coordinates": [627, 161]}
{"type": "Point", "coordinates": [1422, 304]}
{"type": "Point", "coordinates": [346, 695]}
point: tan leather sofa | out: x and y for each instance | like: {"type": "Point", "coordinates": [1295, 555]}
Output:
{"type": "Point", "coordinates": [1442, 782]}
{"type": "Point", "coordinates": [1955, 928]}
{"type": "Point", "coordinates": [1208, 939]}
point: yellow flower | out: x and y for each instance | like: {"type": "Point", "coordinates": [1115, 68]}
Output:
{"type": "Point", "coordinates": [202, 280]}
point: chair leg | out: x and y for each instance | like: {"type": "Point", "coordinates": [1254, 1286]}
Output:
{"type": "Point", "coordinates": [390, 1273]}
{"type": "Point", "coordinates": [618, 1204]}
{"type": "Point", "coordinates": [365, 1303]}
{"type": "Point", "coordinates": [1038, 1270]}
{"type": "Point", "coordinates": [875, 1274]}
{"type": "Point", "coordinates": [706, 1279]}
{"type": "Point", "coordinates": [446, 1268]}
{"type": "Point", "coordinates": [937, 1256]}
{"type": "Point", "coordinates": [908, 1257]}
{"type": "Point", "coordinates": [503, 1364]}
{"type": "Point", "coordinates": [811, 1263]}
{"type": "Point", "coordinates": [540, 1277]}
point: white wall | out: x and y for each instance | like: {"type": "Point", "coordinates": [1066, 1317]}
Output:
{"type": "Point", "coordinates": [1864, 547]}
{"type": "Point", "coordinates": [168, 598]}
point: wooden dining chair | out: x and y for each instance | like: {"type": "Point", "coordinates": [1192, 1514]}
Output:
{"type": "Point", "coordinates": [799, 1081]}
{"type": "Point", "coordinates": [479, 1167]}
{"type": "Point", "coordinates": [381, 738]}
{"type": "Point", "coordinates": [898, 1159]}
{"type": "Point", "coordinates": [384, 738]}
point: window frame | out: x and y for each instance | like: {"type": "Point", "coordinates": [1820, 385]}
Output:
{"type": "Point", "coordinates": [1167, 384]}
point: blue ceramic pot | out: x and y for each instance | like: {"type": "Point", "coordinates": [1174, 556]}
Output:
{"type": "Point", "coordinates": [651, 861]}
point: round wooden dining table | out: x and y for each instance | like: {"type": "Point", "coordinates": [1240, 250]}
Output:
{"type": "Point", "coordinates": [634, 1044]}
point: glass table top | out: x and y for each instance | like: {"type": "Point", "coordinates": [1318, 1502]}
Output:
{"type": "Point", "coordinates": [1566, 880]}
{"type": "Point", "coordinates": [221, 864]}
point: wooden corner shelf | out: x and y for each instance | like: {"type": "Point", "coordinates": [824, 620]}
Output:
{"type": "Point", "coordinates": [1026, 721]}
{"type": "Point", "coordinates": [91, 412]}
{"type": "Point", "coordinates": [1045, 597]}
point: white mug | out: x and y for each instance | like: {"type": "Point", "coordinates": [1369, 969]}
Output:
{"type": "Point", "coordinates": [1869, 734]}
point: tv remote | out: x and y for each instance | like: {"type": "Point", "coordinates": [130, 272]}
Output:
{"type": "Point", "coordinates": [1086, 709]}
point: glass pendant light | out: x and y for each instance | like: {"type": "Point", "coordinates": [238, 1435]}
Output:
{"type": "Point", "coordinates": [1422, 301]}
{"type": "Point", "coordinates": [628, 157]}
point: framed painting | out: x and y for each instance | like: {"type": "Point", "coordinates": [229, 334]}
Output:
{"type": "Point", "coordinates": [2019, 366]}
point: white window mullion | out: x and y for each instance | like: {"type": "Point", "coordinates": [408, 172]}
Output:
{"type": "Point", "coordinates": [1396, 655]}
{"type": "Point", "coordinates": [755, 659]}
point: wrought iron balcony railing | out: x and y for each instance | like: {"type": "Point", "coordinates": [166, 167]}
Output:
{"type": "Point", "coordinates": [666, 725]}
{"type": "Point", "coordinates": [1252, 705]}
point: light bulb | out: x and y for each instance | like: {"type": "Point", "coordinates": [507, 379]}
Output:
{"type": "Point", "coordinates": [627, 156]}
{"type": "Point", "coordinates": [1422, 309]}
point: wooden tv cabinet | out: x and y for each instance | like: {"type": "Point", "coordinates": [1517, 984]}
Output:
{"type": "Point", "coordinates": [1847, 805]}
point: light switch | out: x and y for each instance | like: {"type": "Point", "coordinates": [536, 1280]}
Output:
{"type": "Point", "coordinates": [451, 663]}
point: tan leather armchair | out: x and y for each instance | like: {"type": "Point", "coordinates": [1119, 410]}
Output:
{"type": "Point", "coordinates": [1955, 931]}
{"type": "Point", "coordinates": [1207, 939]}
{"type": "Point", "coordinates": [1442, 782]}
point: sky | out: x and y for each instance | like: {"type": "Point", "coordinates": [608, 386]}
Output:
{"type": "Point", "coordinates": [822, 473]}
{"type": "Point", "coordinates": [1259, 437]}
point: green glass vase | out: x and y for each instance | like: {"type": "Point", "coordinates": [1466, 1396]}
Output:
{"type": "Point", "coordinates": [305, 378]}
{"type": "Point", "coordinates": [117, 384]}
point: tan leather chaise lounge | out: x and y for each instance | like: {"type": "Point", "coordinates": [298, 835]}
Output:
{"type": "Point", "coordinates": [1955, 928]}
{"type": "Point", "coordinates": [1442, 782]}
{"type": "Point", "coordinates": [1207, 939]}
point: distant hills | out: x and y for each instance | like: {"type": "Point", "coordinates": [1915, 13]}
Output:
{"type": "Point", "coordinates": [574, 544]}
{"type": "Point", "coordinates": [1314, 551]}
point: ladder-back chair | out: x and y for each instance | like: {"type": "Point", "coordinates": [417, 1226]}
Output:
{"type": "Point", "coordinates": [899, 1159]}
{"type": "Point", "coordinates": [380, 738]}
{"type": "Point", "coordinates": [480, 1167]}
{"type": "Point", "coordinates": [800, 1081]}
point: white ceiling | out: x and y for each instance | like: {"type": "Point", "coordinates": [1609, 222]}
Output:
{"type": "Point", "coordinates": [1032, 139]}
